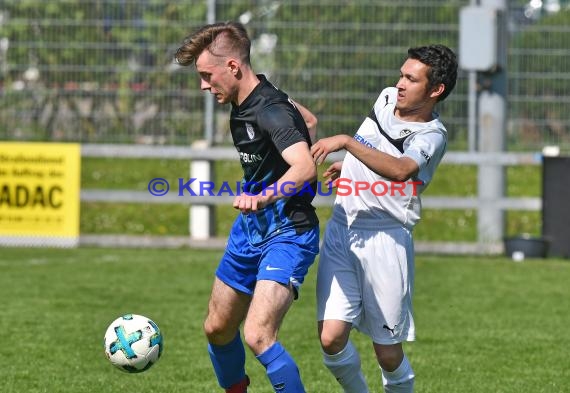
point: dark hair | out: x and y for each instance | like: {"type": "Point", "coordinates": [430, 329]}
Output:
{"type": "Point", "coordinates": [220, 39]}
{"type": "Point", "coordinates": [442, 64]}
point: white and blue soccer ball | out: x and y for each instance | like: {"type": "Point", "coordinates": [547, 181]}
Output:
{"type": "Point", "coordinates": [133, 343]}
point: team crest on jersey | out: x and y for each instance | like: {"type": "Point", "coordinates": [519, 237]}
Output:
{"type": "Point", "coordinates": [405, 132]}
{"type": "Point", "coordinates": [250, 131]}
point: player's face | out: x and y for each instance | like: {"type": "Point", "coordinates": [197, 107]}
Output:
{"type": "Point", "coordinates": [216, 77]}
{"type": "Point", "coordinates": [413, 93]}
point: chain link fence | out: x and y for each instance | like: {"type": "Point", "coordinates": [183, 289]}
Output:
{"type": "Point", "coordinates": [101, 71]}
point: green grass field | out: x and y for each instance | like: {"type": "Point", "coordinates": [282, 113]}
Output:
{"type": "Point", "coordinates": [483, 324]}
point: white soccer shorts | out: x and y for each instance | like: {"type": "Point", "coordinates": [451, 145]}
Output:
{"type": "Point", "coordinates": [366, 277]}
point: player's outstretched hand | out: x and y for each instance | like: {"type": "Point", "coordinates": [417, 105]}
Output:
{"type": "Point", "coordinates": [323, 147]}
{"type": "Point", "coordinates": [332, 173]}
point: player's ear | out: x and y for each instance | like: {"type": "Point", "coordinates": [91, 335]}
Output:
{"type": "Point", "coordinates": [233, 66]}
{"type": "Point", "coordinates": [437, 90]}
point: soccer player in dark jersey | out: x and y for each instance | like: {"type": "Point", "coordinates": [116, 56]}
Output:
{"type": "Point", "coordinates": [275, 238]}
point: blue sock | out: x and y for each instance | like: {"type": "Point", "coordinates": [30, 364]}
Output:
{"type": "Point", "coordinates": [281, 370]}
{"type": "Point", "coordinates": [228, 361]}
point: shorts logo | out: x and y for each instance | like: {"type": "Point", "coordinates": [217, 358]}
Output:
{"type": "Point", "coordinates": [270, 268]}
{"type": "Point", "coordinates": [425, 155]}
{"type": "Point", "coordinates": [250, 131]}
{"type": "Point", "coordinates": [391, 330]}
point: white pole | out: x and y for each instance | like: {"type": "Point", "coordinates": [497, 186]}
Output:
{"type": "Point", "coordinates": [202, 224]}
{"type": "Point", "coordinates": [208, 98]}
{"type": "Point", "coordinates": [201, 221]}
{"type": "Point", "coordinates": [472, 112]}
{"type": "Point", "coordinates": [492, 107]}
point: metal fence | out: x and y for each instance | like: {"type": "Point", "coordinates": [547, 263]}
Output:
{"type": "Point", "coordinates": [201, 217]}
{"type": "Point", "coordinates": [101, 71]}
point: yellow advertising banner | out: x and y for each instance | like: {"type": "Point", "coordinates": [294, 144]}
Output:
{"type": "Point", "coordinates": [39, 194]}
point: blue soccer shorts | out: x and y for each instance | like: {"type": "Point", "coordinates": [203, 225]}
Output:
{"type": "Point", "coordinates": [284, 257]}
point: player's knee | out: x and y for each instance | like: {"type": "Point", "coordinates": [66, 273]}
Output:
{"type": "Point", "coordinates": [209, 328]}
{"type": "Point", "coordinates": [256, 340]}
{"type": "Point", "coordinates": [389, 359]}
{"type": "Point", "coordinates": [253, 341]}
{"type": "Point", "coordinates": [216, 332]}
{"type": "Point", "coordinates": [331, 343]}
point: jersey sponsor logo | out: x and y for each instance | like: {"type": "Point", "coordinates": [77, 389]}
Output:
{"type": "Point", "coordinates": [250, 158]}
{"type": "Point", "coordinates": [250, 131]}
{"type": "Point", "coordinates": [363, 140]}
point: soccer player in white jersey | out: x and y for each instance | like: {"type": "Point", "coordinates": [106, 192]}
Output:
{"type": "Point", "coordinates": [366, 270]}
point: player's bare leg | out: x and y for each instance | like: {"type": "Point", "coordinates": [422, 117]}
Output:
{"type": "Point", "coordinates": [270, 303]}
{"type": "Point", "coordinates": [226, 310]}
{"type": "Point", "coordinates": [340, 356]}
{"type": "Point", "coordinates": [397, 373]}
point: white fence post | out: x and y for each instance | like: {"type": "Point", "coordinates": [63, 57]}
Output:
{"type": "Point", "coordinates": [491, 176]}
{"type": "Point", "coordinates": [202, 224]}
{"type": "Point", "coordinates": [492, 128]}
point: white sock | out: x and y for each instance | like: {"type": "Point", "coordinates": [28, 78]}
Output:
{"type": "Point", "coordinates": [345, 366]}
{"type": "Point", "coordinates": [401, 380]}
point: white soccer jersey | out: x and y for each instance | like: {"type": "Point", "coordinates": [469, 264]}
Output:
{"type": "Point", "coordinates": [378, 198]}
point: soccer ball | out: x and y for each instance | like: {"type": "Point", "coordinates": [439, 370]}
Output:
{"type": "Point", "coordinates": [133, 343]}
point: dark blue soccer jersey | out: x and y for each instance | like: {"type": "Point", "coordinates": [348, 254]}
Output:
{"type": "Point", "coordinates": [265, 124]}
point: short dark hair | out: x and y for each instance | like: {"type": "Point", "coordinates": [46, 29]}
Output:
{"type": "Point", "coordinates": [442, 63]}
{"type": "Point", "coordinates": [220, 39]}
